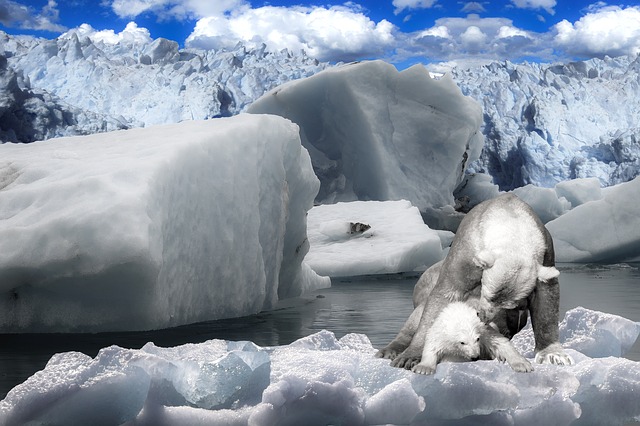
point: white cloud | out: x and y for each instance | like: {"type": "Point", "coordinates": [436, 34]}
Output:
{"type": "Point", "coordinates": [15, 14]}
{"type": "Point", "coordinates": [439, 31]}
{"type": "Point", "coordinates": [401, 5]}
{"type": "Point", "coordinates": [473, 39]}
{"type": "Point", "coordinates": [476, 39]}
{"type": "Point", "coordinates": [547, 5]}
{"type": "Point", "coordinates": [131, 33]}
{"type": "Point", "coordinates": [612, 31]}
{"type": "Point", "coordinates": [473, 7]}
{"type": "Point", "coordinates": [334, 33]}
{"type": "Point", "coordinates": [179, 9]}
{"type": "Point", "coordinates": [507, 31]}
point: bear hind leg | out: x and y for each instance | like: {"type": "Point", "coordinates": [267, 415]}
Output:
{"type": "Point", "coordinates": [404, 337]}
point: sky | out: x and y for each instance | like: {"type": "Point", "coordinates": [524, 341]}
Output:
{"type": "Point", "coordinates": [403, 32]}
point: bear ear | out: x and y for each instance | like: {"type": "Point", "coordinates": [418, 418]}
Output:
{"type": "Point", "coordinates": [546, 273]}
{"type": "Point", "coordinates": [484, 260]}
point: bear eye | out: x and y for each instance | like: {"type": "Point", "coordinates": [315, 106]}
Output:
{"type": "Point", "coordinates": [462, 343]}
{"type": "Point", "coordinates": [478, 339]}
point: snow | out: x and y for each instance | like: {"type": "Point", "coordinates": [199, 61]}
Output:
{"type": "Point", "coordinates": [603, 230]}
{"type": "Point", "coordinates": [374, 133]}
{"type": "Point", "coordinates": [320, 379]}
{"type": "Point", "coordinates": [152, 228]}
{"type": "Point", "coordinates": [397, 240]}
{"type": "Point", "coordinates": [545, 124]}
{"type": "Point", "coordinates": [106, 81]}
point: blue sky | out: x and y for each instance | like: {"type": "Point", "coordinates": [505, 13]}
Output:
{"type": "Point", "coordinates": [399, 31]}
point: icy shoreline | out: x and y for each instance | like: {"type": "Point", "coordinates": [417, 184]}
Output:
{"type": "Point", "coordinates": [320, 380]}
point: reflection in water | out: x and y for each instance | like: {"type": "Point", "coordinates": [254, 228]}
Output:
{"type": "Point", "coordinates": [375, 306]}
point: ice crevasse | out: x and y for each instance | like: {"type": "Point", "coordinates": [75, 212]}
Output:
{"type": "Point", "coordinates": [152, 228]}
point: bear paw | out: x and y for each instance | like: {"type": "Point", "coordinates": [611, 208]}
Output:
{"type": "Point", "coordinates": [390, 351]}
{"type": "Point", "coordinates": [424, 369]}
{"type": "Point", "coordinates": [521, 366]}
{"type": "Point", "coordinates": [553, 354]}
{"type": "Point", "coordinates": [406, 360]}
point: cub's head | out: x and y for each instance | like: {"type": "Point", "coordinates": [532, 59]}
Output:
{"type": "Point", "coordinates": [464, 329]}
{"type": "Point", "coordinates": [506, 280]}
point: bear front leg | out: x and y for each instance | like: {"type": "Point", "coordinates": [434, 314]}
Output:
{"type": "Point", "coordinates": [412, 355]}
{"type": "Point", "coordinates": [404, 337]}
{"type": "Point", "coordinates": [544, 308]}
{"type": "Point", "coordinates": [500, 348]}
{"type": "Point", "coordinates": [429, 360]}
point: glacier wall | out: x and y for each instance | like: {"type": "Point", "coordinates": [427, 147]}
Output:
{"type": "Point", "coordinates": [374, 133]}
{"type": "Point", "coordinates": [138, 83]}
{"type": "Point", "coordinates": [544, 124]}
{"type": "Point", "coordinates": [152, 228]}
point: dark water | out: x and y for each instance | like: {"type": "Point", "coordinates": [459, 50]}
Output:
{"type": "Point", "coordinates": [375, 306]}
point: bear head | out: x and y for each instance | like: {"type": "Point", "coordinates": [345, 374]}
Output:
{"type": "Point", "coordinates": [507, 280]}
{"type": "Point", "coordinates": [464, 329]}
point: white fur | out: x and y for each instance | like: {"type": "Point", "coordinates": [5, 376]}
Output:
{"type": "Point", "coordinates": [454, 336]}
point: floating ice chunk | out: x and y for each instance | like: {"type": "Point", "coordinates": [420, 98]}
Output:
{"type": "Point", "coordinates": [605, 230]}
{"type": "Point", "coordinates": [579, 191]}
{"type": "Point", "coordinates": [374, 133]}
{"type": "Point", "coordinates": [322, 380]}
{"type": "Point", "coordinates": [151, 228]}
{"type": "Point", "coordinates": [544, 201]}
{"type": "Point", "coordinates": [474, 189]}
{"type": "Point", "coordinates": [397, 240]}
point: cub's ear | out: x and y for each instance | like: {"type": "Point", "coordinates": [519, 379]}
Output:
{"type": "Point", "coordinates": [484, 260]}
{"type": "Point", "coordinates": [546, 273]}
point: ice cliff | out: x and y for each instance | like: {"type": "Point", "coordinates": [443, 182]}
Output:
{"type": "Point", "coordinates": [152, 228]}
{"type": "Point", "coordinates": [137, 83]}
{"type": "Point", "coordinates": [544, 124]}
{"type": "Point", "coordinates": [374, 133]}
{"type": "Point", "coordinates": [26, 116]}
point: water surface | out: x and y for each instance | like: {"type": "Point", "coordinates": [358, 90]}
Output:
{"type": "Point", "coordinates": [375, 306]}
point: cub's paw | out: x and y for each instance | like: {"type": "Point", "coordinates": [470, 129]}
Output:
{"type": "Point", "coordinates": [553, 354]}
{"type": "Point", "coordinates": [424, 369]}
{"type": "Point", "coordinates": [521, 366]}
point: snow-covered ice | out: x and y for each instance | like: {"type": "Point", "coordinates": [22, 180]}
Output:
{"type": "Point", "coordinates": [151, 228]}
{"type": "Point", "coordinates": [130, 80]}
{"type": "Point", "coordinates": [397, 240]}
{"type": "Point", "coordinates": [604, 230]}
{"type": "Point", "coordinates": [374, 133]}
{"type": "Point", "coordinates": [321, 380]}
{"type": "Point", "coordinates": [546, 123]}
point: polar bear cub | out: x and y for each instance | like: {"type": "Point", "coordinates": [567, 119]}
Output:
{"type": "Point", "coordinates": [458, 335]}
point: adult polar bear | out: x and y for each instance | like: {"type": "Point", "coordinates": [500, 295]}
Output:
{"type": "Point", "coordinates": [503, 254]}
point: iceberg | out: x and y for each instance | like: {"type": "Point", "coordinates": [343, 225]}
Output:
{"type": "Point", "coordinates": [321, 380]}
{"type": "Point", "coordinates": [374, 133]}
{"type": "Point", "coordinates": [605, 230]}
{"type": "Point", "coordinates": [547, 123]}
{"type": "Point", "coordinates": [153, 228]}
{"type": "Point", "coordinates": [394, 239]}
